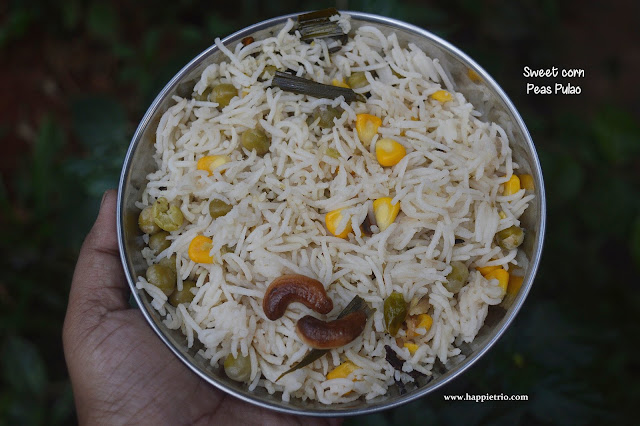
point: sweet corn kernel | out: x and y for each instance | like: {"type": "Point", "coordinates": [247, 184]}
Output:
{"type": "Point", "coordinates": [484, 270]}
{"type": "Point", "coordinates": [473, 76]}
{"type": "Point", "coordinates": [211, 162]}
{"type": "Point", "coordinates": [385, 212]}
{"type": "Point", "coordinates": [389, 152]}
{"type": "Point", "coordinates": [333, 219]}
{"type": "Point", "coordinates": [367, 126]}
{"type": "Point", "coordinates": [424, 321]}
{"type": "Point", "coordinates": [199, 249]}
{"type": "Point", "coordinates": [526, 181]}
{"type": "Point", "coordinates": [502, 276]}
{"type": "Point", "coordinates": [342, 371]}
{"type": "Point", "coordinates": [512, 185]}
{"type": "Point", "coordinates": [502, 215]}
{"type": "Point", "coordinates": [515, 282]}
{"type": "Point", "coordinates": [442, 96]}
{"type": "Point", "coordinates": [412, 347]}
{"type": "Point", "coordinates": [339, 83]}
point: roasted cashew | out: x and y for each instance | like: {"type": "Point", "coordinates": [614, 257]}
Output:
{"type": "Point", "coordinates": [295, 288]}
{"type": "Point", "coordinates": [328, 335]}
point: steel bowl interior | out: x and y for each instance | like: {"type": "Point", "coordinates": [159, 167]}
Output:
{"type": "Point", "coordinates": [488, 98]}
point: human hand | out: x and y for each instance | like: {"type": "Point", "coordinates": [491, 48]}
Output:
{"type": "Point", "coordinates": [120, 371]}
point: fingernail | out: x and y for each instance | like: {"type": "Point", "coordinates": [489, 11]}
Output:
{"type": "Point", "coordinates": [103, 197]}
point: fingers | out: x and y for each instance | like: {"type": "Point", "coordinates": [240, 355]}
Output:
{"type": "Point", "coordinates": [99, 284]}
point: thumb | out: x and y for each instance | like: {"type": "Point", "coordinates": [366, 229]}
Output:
{"type": "Point", "coordinates": [99, 285]}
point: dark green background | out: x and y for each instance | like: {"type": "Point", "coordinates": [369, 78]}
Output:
{"type": "Point", "coordinates": [76, 76]}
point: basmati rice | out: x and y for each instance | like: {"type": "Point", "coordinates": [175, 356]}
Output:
{"type": "Point", "coordinates": [449, 186]}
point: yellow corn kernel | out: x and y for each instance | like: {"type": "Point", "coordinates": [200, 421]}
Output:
{"type": "Point", "coordinates": [211, 162]}
{"type": "Point", "coordinates": [502, 215]}
{"type": "Point", "coordinates": [424, 321]}
{"type": "Point", "coordinates": [385, 212]}
{"type": "Point", "coordinates": [367, 126]}
{"type": "Point", "coordinates": [412, 347]}
{"type": "Point", "coordinates": [333, 219]}
{"type": "Point", "coordinates": [473, 76]}
{"type": "Point", "coordinates": [512, 185]}
{"type": "Point", "coordinates": [244, 93]}
{"type": "Point", "coordinates": [515, 282]}
{"type": "Point", "coordinates": [389, 152]}
{"type": "Point", "coordinates": [502, 276]}
{"type": "Point", "coordinates": [484, 270]}
{"type": "Point", "coordinates": [442, 96]}
{"type": "Point", "coordinates": [199, 249]}
{"type": "Point", "coordinates": [342, 371]}
{"type": "Point", "coordinates": [339, 83]}
{"type": "Point", "coordinates": [526, 181]}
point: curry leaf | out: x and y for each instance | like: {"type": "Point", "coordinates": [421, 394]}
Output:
{"type": "Point", "coordinates": [356, 304]}
{"type": "Point", "coordinates": [23, 367]}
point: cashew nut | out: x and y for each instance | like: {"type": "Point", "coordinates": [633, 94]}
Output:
{"type": "Point", "coordinates": [295, 288]}
{"type": "Point", "coordinates": [328, 335]}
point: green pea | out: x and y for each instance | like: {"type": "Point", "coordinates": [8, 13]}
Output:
{"type": "Point", "coordinates": [395, 312]}
{"type": "Point", "coordinates": [159, 242]}
{"type": "Point", "coordinates": [183, 296]}
{"type": "Point", "coordinates": [168, 218]}
{"type": "Point", "coordinates": [256, 140]}
{"type": "Point", "coordinates": [162, 277]}
{"type": "Point", "coordinates": [169, 262]}
{"type": "Point", "coordinates": [218, 208]}
{"type": "Point", "coordinates": [238, 369]}
{"type": "Point", "coordinates": [204, 96]}
{"type": "Point", "coordinates": [326, 116]}
{"type": "Point", "coordinates": [146, 222]}
{"type": "Point", "coordinates": [510, 238]}
{"type": "Point", "coordinates": [223, 93]}
{"type": "Point", "coordinates": [357, 80]}
{"type": "Point", "coordinates": [457, 278]}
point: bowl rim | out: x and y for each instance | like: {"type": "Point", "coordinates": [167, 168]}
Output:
{"type": "Point", "coordinates": [403, 399]}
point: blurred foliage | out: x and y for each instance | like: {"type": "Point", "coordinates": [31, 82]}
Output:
{"type": "Point", "coordinates": [567, 349]}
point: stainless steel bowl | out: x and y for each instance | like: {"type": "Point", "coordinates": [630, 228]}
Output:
{"type": "Point", "coordinates": [139, 163]}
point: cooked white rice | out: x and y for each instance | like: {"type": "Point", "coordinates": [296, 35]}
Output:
{"type": "Point", "coordinates": [449, 186]}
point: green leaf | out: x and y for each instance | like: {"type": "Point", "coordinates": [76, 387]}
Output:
{"type": "Point", "coordinates": [356, 304]}
{"type": "Point", "coordinates": [218, 26]}
{"type": "Point", "coordinates": [635, 242]}
{"type": "Point", "coordinates": [49, 143]}
{"type": "Point", "coordinates": [150, 44]}
{"type": "Point", "coordinates": [617, 134]}
{"type": "Point", "coordinates": [566, 174]}
{"type": "Point", "coordinates": [15, 26]}
{"type": "Point", "coordinates": [102, 21]}
{"type": "Point", "coordinates": [22, 366]}
{"type": "Point", "coordinates": [559, 402]}
{"type": "Point", "coordinates": [62, 409]}
{"type": "Point", "coordinates": [99, 123]}
{"type": "Point", "coordinates": [71, 11]}
{"type": "Point", "coordinates": [377, 419]}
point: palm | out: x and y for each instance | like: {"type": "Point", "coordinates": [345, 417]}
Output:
{"type": "Point", "coordinates": [121, 372]}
